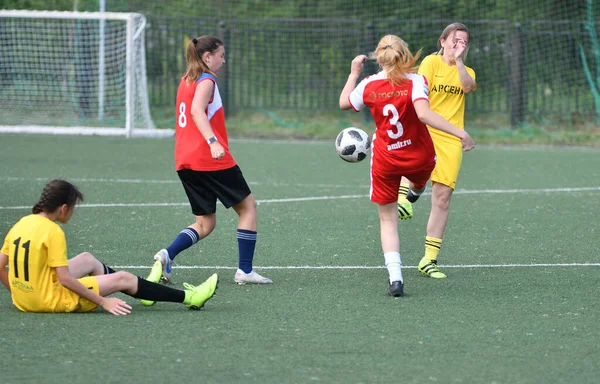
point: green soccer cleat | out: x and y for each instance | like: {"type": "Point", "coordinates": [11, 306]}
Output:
{"type": "Point", "coordinates": [405, 209]}
{"type": "Point", "coordinates": [154, 276]}
{"type": "Point", "coordinates": [201, 293]}
{"type": "Point", "coordinates": [429, 268]}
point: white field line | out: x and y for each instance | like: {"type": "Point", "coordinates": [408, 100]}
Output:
{"type": "Point", "coordinates": [274, 184]}
{"type": "Point", "coordinates": [113, 205]}
{"type": "Point", "coordinates": [540, 265]}
{"type": "Point", "coordinates": [142, 181]}
{"type": "Point", "coordinates": [318, 198]}
{"type": "Point", "coordinates": [95, 180]}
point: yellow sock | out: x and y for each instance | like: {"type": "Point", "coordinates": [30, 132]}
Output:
{"type": "Point", "coordinates": [432, 247]}
{"type": "Point", "coordinates": [403, 190]}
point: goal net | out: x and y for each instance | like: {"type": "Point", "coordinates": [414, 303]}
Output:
{"type": "Point", "coordinates": [74, 73]}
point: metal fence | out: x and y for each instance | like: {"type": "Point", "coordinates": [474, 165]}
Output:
{"type": "Point", "coordinates": [526, 71]}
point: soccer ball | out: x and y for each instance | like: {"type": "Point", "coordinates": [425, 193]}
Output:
{"type": "Point", "coordinates": [353, 145]}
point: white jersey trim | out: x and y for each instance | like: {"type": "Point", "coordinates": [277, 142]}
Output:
{"type": "Point", "coordinates": [420, 90]}
{"type": "Point", "coordinates": [216, 103]}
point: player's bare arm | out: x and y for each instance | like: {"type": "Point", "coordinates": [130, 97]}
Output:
{"type": "Point", "coordinates": [3, 271]}
{"type": "Point", "coordinates": [202, 97]}
{"type": "Point", "coordinates": [466, 81]}
{"type": "Point", "coordinates": [431, 118]}
{"type": "Point", "coordinates": [112, 305]}
{"type": "Point", "coordinates": [355, 71]}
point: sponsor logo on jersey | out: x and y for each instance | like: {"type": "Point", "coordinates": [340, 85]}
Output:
{"type": "Point", "coordinates": [387, 95]}
{"type": "Point", "coordinates": [399, 144]}
{"type": "Point", "coordinates": [22, 286]}
{"type": "Point", "coordinates": [447, 89]}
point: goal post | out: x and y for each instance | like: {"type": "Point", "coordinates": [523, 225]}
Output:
{"type": "Point", "coordinates": [74, 73]}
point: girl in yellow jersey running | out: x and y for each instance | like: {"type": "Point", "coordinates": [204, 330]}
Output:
{"type": "Point", "coordinates": [40, 278]}
{"type": "Point", "coordinates": [449, 80]}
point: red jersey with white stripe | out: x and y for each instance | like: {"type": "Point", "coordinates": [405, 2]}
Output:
{"type": "Point", "coordinates": [401, 140]}
{"type": "Point", "coordinates": [191, 149]}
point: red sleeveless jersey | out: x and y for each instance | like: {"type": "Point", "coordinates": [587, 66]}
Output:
{"type": "Point", "coordinates": [191, 149]}
{"type": "Point", "coordinates": [401, 142]}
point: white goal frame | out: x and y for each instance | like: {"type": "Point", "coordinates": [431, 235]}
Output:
{"type": "Point", "coordinates": [132, 34]}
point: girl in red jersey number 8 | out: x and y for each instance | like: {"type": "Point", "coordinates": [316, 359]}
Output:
{"type": "Point", "coordinates": [398, 100]}
{"type": "Point", "coordinates": [206, 168]}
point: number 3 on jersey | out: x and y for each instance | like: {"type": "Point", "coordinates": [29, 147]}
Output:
{"type": "Point", "coordinates": [182, 119]}
{"type": "Point", "coordinates": [393, 121]}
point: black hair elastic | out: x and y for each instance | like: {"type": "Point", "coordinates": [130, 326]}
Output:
{"type": "Point", "coordinates": [194, 41]}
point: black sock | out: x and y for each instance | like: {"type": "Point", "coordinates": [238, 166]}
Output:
{"type": "Point", "coordinates": [148, 290]}
{"type": "Point", "coordinates": [412, 197]}
{"type": "Point", "coordinates": [108, 270]}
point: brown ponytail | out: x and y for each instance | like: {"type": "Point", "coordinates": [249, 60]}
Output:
{"type": "Point", "coordinates": [393, 55]}
{"type": "Point", "coordinates": [194, 51]}
{"type": "Point", "coordinates": [56, 193]}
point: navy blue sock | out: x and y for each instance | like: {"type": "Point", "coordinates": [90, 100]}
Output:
{"type": "Point", "coordinates": [107, 269]}
{"type": "Point", "coordinates": [246, 244]}
{"type": "Point", "coordinates": [183, 241]}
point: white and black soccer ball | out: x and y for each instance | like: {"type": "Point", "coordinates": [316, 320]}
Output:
{"type": "Point", "coordinates": [353, 145]}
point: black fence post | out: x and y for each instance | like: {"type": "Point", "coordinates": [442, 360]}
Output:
{"type": "Point", "coordinates": [223, 78]}
{"type": "Point", "coordinates": [369, 67]}
{"type": "Point", "coordinates": [517, 87]}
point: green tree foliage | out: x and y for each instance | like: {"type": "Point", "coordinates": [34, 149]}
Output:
{"type": "Point", "coordinates": [345, 9]}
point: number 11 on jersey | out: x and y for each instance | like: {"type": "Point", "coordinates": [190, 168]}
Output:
{"type": "Point", "coordinates": [25, 259]}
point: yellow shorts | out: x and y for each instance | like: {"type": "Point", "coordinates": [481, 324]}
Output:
{"type": "Point", "coordinates": [72, 302]}
{"type": "Point", "coordinates": [449, 158]}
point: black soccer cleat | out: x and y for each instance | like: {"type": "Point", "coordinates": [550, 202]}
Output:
{"type": "Point", "coordinates": [396, 289]}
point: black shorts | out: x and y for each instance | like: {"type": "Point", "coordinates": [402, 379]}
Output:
{"type": "Point", "coordinates": [203, 188]}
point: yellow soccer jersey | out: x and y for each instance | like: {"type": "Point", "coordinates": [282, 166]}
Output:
{"type": "Point", "coordinates": [446, 96]}
{"type": "Point", "coordinates": [34, 245]}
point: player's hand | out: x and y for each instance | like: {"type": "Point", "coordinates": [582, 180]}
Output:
{"type": "Point", "coordinates": [458, 49]}
{"type": "Point", "coordinates": [116, 306]}
{"type": "Point", "coordinates": [217, 151]}
{"type": "Point", "coordinates": [467, 142]}
{"type": "Point", "coordinates": [357, 64]}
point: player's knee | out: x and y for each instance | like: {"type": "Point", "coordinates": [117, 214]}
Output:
{"type": "Point", "coordinates": [442, 200]}
{"type": "Point", "coordinates": [253, 203]}
{"type": "Point", "coordinates": [207, 224]}
{"type": "Point", "coordinates": [247, 207]}
{"type": "Point", "coordinates": [87, 257]}
{"type": "Point", "coordinates": [124, 279]}
{"type": "Point", "coordinates": [209, 227]}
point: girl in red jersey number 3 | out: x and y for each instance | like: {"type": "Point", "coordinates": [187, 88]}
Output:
{"type": "Point", "coordinates": [204, 164]}
{"type": "Point", "coordinates": [398, 100]}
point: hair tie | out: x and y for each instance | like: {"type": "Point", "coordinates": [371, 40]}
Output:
{"type": "Point", "coordinates": [194, 41]}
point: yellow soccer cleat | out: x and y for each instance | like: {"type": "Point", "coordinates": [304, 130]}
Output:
{"type": "Point", "coordinates": [201, 293]}
{"type": "Point", "coordinates": [154, 276]}
{"type": "Point", "coordinates": [429, 268]}
{"type": "Point", "coordinates": [405, 209]}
